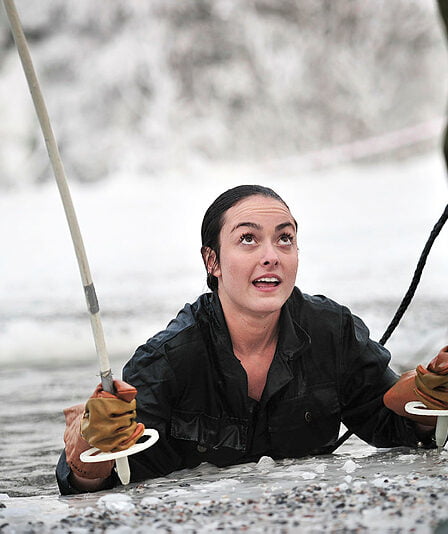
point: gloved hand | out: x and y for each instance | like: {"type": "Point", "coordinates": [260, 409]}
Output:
{"type": "Point", "coordinates": [431, 384]}
{"type": "Point", "coordinates": [107, 422]}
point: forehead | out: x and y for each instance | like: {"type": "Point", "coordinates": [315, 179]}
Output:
{"type": "Point", "coordinates": [257, 209]}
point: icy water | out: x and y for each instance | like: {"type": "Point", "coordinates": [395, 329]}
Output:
{"type": "Point", "coordinates": [357, 489]}
{"type": "Point", "coordinates": [361, 233]}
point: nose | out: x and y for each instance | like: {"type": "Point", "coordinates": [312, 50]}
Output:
{"type": "Point", "coordinates": [270, 256]}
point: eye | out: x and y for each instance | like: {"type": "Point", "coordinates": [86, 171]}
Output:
{"type": "Point", "coordinates": [247, 239]}
{"type": "Point", "coordinates": [286, 239]}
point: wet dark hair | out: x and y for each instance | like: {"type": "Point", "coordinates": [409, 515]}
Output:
{"type": "Point", "coordinates": [214, 219]}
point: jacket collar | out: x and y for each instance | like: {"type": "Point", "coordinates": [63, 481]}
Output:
{"type": "Point", "coordinates": [293, 341]}
{"type": "Point", "coordinates": [232, 379]}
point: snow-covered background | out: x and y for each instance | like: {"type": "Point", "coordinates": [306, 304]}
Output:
{"type": "Point", "coordinates": [137, 87]}
{"type": "Point", "coordinates": [159, 106]}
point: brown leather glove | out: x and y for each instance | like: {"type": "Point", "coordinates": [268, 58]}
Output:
{"type": "Point", "coordinates": [431, 384]}
{"type": "Point", "coordinates": [107, 422]}
{"type": "Point", "coordinates": [75, 445]}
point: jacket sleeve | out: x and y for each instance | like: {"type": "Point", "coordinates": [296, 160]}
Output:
{"type": "Point", "coordinates": [365, 377]}
{"type": "Point", "coordinates": [63, 472]}
{"type": "Point", "coordinates": [149, 371]}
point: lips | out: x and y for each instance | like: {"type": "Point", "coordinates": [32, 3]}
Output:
{"type": "Point", "coordinates": [266, 281]}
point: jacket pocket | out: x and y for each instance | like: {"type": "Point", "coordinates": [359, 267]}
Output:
{"type": "Point", "coordinates": [208, 431]}
{"type": "Point", "coordinates": [306, 424]}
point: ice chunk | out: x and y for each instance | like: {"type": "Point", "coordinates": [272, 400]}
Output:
{"type": "Point", "coordinates": [116, 502]}
{"type": "Point", "coordinates": [265, 462]}
{"type": "Point", "coordinates": [307, 475]}
{"type": "Point", "coordinates": [350, 466]}
{"type": "Point", "coordinates": [321, 468]}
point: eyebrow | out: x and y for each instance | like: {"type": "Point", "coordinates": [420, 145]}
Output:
{"type": "Point", "coordinates": [258, 227]}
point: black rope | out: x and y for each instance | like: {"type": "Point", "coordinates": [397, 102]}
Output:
{"type": "Point", "coordinates": [416, 278]}
{"type": "Point", "coordinates": [405, 302]}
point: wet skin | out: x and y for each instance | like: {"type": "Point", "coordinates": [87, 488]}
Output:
{"type": "Point", "coordinates": [256, 275]}
{"type": "Point", "coordinates": [257, 242]}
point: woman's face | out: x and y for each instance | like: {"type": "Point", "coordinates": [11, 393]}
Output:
{"type": "Point", "coordinates": [258, 256]}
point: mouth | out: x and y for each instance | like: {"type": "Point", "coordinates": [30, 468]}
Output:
{"type": "Point", "coordinates": [266, 282]}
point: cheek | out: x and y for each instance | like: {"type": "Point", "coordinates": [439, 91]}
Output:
{"type": "Point", "coordinates": [292, 263]}
{"type": "Point", "coordinates": [235, 266]}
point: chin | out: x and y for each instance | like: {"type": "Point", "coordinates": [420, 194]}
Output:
{"type": "Point", "coordinates": [269, 305]}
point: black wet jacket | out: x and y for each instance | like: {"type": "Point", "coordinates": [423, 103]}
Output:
{"type": "Point", "coordinates": [193, 390]}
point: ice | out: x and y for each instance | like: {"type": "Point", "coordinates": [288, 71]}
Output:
{"type": "Point", "coordinates": [406, 458]}
{"type": "Point", "coordinates": [225, 483]}
{"type": "Point", "coordinates": [350, 466]}
{"type": "Point", "coordinates": [149, 501]}
{"type": "Point", "coordinates": [241, 497]}
{"type": "Point", "coordinates": [307, 475]}
{"type": "Point", "coordinates": [116, 502]}
{"type": "Point", "coordinates": [320, 468]}
{"type": "Point", "coordinates": [265, 462]}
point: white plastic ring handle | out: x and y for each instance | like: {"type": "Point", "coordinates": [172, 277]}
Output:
{"type": "Point", "coordinates": [95, 455]}
{"type": "Point", "coordinates": [418, 408]}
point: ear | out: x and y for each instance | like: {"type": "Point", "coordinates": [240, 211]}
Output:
{"type": "Point", "coordinates": [216, 269]}
{"type": "Point", "coordinates": [210, 262]}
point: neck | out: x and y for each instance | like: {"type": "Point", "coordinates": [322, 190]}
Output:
{"type": "Point", "coordinates": [251, 334]}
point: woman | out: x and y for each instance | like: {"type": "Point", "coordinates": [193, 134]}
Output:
{"type": "Point", "coordinates": [252, 368]}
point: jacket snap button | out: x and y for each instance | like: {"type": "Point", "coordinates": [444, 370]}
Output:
{"type": "Point", "coordinates": [200, 448]}
{"type": "Point", "coordinates": [308, 417]}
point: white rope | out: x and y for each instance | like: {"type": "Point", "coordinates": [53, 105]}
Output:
{"type": "Point", "coordinates": [61, 180]}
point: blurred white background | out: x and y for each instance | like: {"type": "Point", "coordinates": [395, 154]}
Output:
{"type": "Point", "coordinates": [160, 106]}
